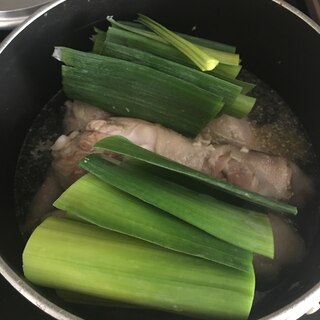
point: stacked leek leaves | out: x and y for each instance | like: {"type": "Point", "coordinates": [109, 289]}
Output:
{"type": "Point", "coordinates": [154, 75]}
{"type": "Point", "coordinates": [168, 247]}
{"type": "Point", "coordinates": [133, 236]}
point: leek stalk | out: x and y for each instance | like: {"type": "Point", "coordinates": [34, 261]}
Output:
{"type": "Point", "coordinates": [78, 257]}
{"type": "Point", "coordinates": [240, 107]}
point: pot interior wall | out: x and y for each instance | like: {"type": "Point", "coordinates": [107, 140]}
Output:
{"type": "Point", "coordinates": [274, 44]}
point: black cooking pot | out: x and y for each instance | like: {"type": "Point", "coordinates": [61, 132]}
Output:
{"type": "Point", "coordinates": [277, 43]}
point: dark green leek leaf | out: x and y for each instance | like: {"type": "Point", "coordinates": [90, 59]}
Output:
{"type": "Point", "coordinates": [129, 89]}
{"type": "Point", "coordinates": [123, 146]}
{"type": "Point", "coordinates": [215, 85]}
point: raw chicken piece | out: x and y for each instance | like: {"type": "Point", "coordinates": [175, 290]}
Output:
{"type": "Point", "coordinates": [303, 186]}
{"type": "Point", "coordinates": [75, 145]}
{"type": "Point", "coordinates": [155, 138]}
{"type": "Point", "coordinates": [78, 114]}
{"type": "Point", "coordinates": [290, 250]}
{"type": "Point", "coordinates": [68, 150]}
{"type": "Point", "coordinates": [279, 138]}
{"type": "Point", "coordinates": [229, 130]}
{"type": "Point", "coordinates": [254, 171]}
{"type": "Point", "coordinates": [268, 175]}
{"type": "Point", "coordinates": [268, 139]}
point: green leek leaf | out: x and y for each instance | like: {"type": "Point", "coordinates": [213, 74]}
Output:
{"type": "Point", "coordinates": [223, 57]}
{"type": "Point", "coordinates": [215, 85]}
{"type": "Point", "coordinates": [92, 200]}
{"type": "Point", "coordinates": [241, 227]}
{"type": "Point", "coordinates": [123, 146]}
{"type": "Point", "coordinates": [203, 60]}
{"type": "Point", "coordinates": [129, 89]}
{"type": "Point", "coordinates": [164, 50]}
{"type": "Point", "coordinates": [78, 257]}
{"type": "Point", "coordinates": [194, 39]}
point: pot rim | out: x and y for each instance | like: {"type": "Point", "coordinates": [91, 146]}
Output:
{"type": "Point", "coordinates": [9, 19]}
{"type": "Point", "coordinates": [306, 304]}
{"type": "Point", "coordinates": [24, 288]}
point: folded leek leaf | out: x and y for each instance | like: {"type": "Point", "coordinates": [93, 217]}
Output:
{"type": "Point", "coordinates": [199, 56]}
{"type": "Point", "coordinates": [194, 39]}
{"type": "Point", "coordinates": [241, 227]}
{"type": "Point", "coordinates": [224, 57]}
{"type": "Point", "coordinates": [164, 50]}
{"type": "Point", "coordinates": [94, 201]}
{"type": "Point", "coordinates": [123, 146]}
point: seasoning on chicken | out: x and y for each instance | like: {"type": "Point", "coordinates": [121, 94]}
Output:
{"type": "Point", "coordinates": [279, 138]}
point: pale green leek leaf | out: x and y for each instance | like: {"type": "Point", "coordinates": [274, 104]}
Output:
{"type": "Point", "coordinates": [203, 60]}
{"type": "Point", "coordinates": [97, 202]}
{"type": "Point", "coordinates": [224, 57]}
{"type": "Point", "coordinates": [79, 257]}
